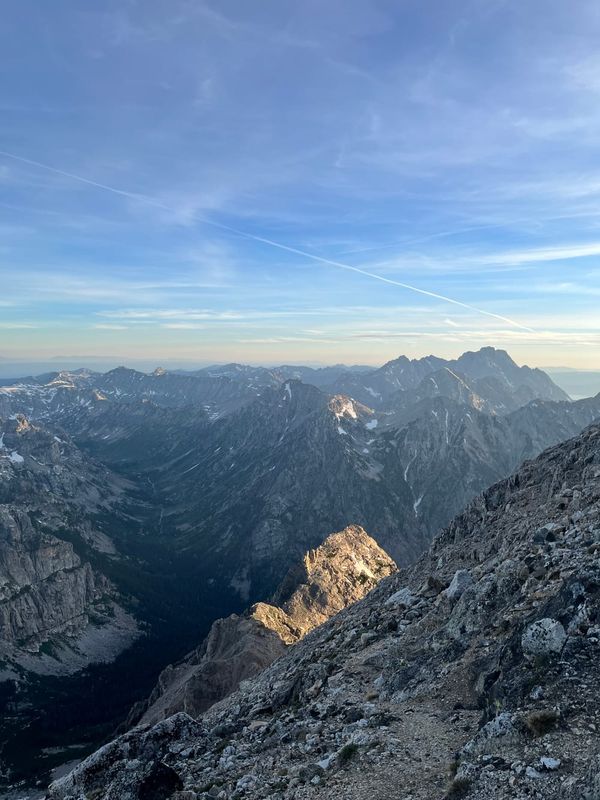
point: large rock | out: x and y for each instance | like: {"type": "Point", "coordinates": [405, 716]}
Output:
{"type": "Point", "coordinates": [543, 639]}
{"type": "Point", "coordinates": [460, 582]}
{"type": "Point", "coordinates": [235, 649]}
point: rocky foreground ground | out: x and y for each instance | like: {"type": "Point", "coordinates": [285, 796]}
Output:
{"type": "Point", "coordinates": [473, 674]}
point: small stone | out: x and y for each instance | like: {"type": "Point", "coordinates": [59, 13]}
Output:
{"type": "Point", "coordinates": [550, 763]}
{"type": "Point", "coordinates": [257, 724]}
{"type": "Point", "coordinates": [326, 762]}
{"type": "Point", "coordinates": [530, 772]}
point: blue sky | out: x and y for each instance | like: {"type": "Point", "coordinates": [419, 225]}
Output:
{"type": "Point", "coordinates": [448, 147]}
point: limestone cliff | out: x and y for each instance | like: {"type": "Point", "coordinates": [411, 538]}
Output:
{"type": "Point", "coordinates": [338, 573]}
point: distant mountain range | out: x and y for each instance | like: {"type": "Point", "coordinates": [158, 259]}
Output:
{"type": "Point", "coordinates": [178, 498]}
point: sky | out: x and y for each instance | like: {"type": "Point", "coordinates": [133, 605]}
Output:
{"type": "Point", "coordinates": [321, 182]}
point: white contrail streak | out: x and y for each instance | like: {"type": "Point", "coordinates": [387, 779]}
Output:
{"type": "Point", "coordinates": [427, 238]}
{"type": "Point", "coordinates": [459, 231]}
{"type": "Point", "coordinates": [270, 242]}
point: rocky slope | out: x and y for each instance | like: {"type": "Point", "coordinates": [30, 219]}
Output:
{"type": "Point", "coordinates": [447, 452]}
{"type": "Point", "coordinates": [473, 673]}
{"type": "Point", "coordinates": [338, 573]}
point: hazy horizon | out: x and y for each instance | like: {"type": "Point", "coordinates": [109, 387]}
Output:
{"type": "Point", "coordinates": [108, 361]}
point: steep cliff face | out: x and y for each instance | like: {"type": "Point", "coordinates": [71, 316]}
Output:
{"type": "Point", "coordinates": [43, 583]}
{"type": "Point", "coordinates": [472, 674]}
{"type": "Point", "coordinates": [332, 577]}
{"type": "Point", "coordinates": [57, 613]}
{"type": "Point", "coordinates": [338, 573]}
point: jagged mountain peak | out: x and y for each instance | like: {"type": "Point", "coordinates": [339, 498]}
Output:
{"type": "Point", "coordinates": [341, 571]}
{"type": "Point", "coordinates": [495, 381]}
{"type": "Point", "coordinates": [297, 395]}
{"type": "Point", "coordinates": [331, 576]}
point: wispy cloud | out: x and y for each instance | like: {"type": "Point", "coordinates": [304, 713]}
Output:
{"type": "Point", "coordinates": [555, 253]}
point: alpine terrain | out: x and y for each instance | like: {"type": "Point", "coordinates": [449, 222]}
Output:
{"type": "Point", "coordinates": [472, 674]}
{"type": "Point", "coordinates": [139, 511]}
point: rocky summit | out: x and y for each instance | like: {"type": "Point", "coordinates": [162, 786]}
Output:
{"type": "Point", "coordinates": [473, 673]}
{"type": "Point", "coordinates": [338, 573]}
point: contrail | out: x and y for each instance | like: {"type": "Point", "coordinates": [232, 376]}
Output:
{"type": "Point", "coordinates": [261, 239]}
{"type": "Point", "coordinates": [427, 238]}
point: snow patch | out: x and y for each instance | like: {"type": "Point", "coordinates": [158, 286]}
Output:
{"type": "Point", "coordinates": [16, 458]}
{"type": "Point", "coordinates": [416, 505]}
{"type": "Point", "coordinates": [372, 423]}
{"type": "Point", "coordinates": [341, 431]}
{"type": "Point", "coordinates": [458, 378]}
{"type": "Point", "coordinates": [191, 468]}
{"type": "Point", "coordinates": [408, 466]}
